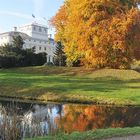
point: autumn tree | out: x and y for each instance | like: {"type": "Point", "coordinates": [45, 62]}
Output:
{"type": "Point", "coordinates": [84, 118]}
{"type": "Point", "coordinates": [99, 33]}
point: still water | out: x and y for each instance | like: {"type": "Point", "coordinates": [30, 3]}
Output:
{"type": "Point", "coordinates": [41, 120]}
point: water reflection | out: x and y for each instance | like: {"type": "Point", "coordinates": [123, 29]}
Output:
{"type": "Point", "coordinates": [41, 120]}
{"type": "Point", "coordinates": [82, 118]}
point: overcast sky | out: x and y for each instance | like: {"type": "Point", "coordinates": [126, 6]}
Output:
{"type": "Point", "coordinates": [19, 12]}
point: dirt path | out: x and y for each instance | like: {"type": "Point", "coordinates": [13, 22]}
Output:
{"type": "Point", "coordinates": [137, 137]}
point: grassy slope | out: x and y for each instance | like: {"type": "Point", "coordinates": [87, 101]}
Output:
{"type": "Point", "coordinates": [72, 84]}
{"type": "Point", "coordinates": [94, 135]}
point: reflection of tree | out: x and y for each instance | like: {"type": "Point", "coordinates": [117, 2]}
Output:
{"type": "Point", "coordinates": [33, 120]}
{"type": "Point", "coordinates": [82, 118]}
{"type": "Point", "coordinates": [39, 120]}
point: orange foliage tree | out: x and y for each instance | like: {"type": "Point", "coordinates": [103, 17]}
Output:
{"type": "Point", "coordinates": [84, 118]}
{"type": "Point", "coordinates": [99, 33]}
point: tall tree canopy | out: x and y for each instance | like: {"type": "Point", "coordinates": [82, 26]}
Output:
{"type": "Point", "coordinates": [99, 33]}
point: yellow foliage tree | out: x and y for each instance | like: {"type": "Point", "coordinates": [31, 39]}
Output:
{"type": "Point", "coordinates": [99, 33]}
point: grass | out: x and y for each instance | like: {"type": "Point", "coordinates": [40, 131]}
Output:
{"type": "Point", "coordinates": [60, 84]}
{"type": "Point", "coordinates": [94, 135]}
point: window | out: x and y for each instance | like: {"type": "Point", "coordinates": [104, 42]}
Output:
{"type": "Point", "coordinates": [45, 48]}
{"type": "Point", "coordinates": [45, 29]}
{"type": "Point", "coordinates": [34, 28]}
{"type": "Point", "coordinates": [40, 30]}
{"type": "Point", "coordinates": [53, 59]}
{"type": "Point", "coordinates": [49, 58]}
{"type": "Point", "coordinates": [39, 48]}
{"type": "Point", "coordinates": [34, 48]}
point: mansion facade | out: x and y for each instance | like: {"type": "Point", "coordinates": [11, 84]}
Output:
{"type": "Point", "coordinates": [35, 36]}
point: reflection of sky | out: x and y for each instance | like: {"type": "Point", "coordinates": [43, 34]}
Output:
{"type": "Point", "coordinates": [1, 113]}
{"type": "Point", "coordinates": [38, 116]}
{"type": "Point", "coordinates": [44, 114]}
{"type": "Point", "coordinates": [50, 117]}
{"type": "Point", "coordinates": [41, 112]}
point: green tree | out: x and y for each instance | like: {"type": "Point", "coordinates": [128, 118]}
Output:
{"type": "Point", "coordinates": [8, 58]}
{"type": "Point", "coordinates": [60, 57]}
{"type": "Point", "coordinates": [18, 42]}
{"type": "Point", "coordinates": [13, 55]}
{"type": "Point", "coordinates": [6, 49]}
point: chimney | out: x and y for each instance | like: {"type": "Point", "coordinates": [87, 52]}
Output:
{"type": "Point", "coordinates": [15, 29]}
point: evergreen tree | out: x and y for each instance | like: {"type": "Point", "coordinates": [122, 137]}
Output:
{"type": "Point", "coordinates": [60, 57]}
{"type": "Point", "coordinates": [18, 42]}
{"type": "Point", "coordinates": [13, 55]}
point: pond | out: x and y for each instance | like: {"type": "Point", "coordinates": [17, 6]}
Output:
{"type": "Point", "coordinates": [51, 118]}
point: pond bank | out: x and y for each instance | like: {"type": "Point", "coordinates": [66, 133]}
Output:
{"type": "Point", "coordinates": [44, 102]}
{"type": "Point", "coordinates": [72, 85]}
{"type": "Point", "coordinates": [133, 137]}
{"type": "Point", "coordinates": [53, 118]}
{"type": "Point", "coordinates": [94, 135]}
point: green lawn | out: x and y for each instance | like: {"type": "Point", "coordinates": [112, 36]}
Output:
{"type": "Point", "coordinates": [94, 135]}
{"type": "Point", "coordinates": [106, 86]}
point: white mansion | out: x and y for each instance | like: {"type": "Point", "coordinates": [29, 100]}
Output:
{"type": "Point", "coordinates": [35, 36]}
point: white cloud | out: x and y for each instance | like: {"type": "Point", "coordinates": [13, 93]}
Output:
{"type": "Point", "coordinates": [17, 14]}
{"type": "Point", "coordinates": [38, 7]}
{"type": "Point", "coordinates": [21, 15]}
